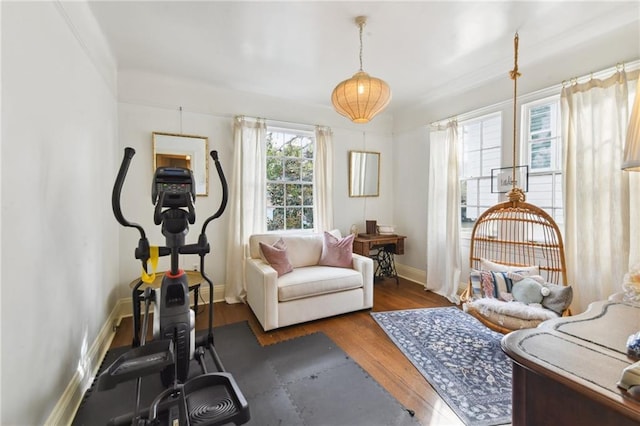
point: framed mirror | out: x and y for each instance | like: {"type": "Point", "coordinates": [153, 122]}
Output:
{"type": "Point", "coordinates": [174, 150]}
{"type": "Point", "coordinates": [364, 174]}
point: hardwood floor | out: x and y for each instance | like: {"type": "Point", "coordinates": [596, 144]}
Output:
{"type": "Point", "coordinates": [360, 337]}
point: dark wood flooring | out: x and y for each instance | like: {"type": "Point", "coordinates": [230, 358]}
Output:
{"type": "Point", "coordinates": [360, 337]}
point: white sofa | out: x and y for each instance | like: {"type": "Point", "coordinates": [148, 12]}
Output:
{"type": "Point", "coordinates": [309, 291]}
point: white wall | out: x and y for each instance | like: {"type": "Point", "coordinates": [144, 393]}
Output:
{"type": "Point", "coordinates": [411, 126]}
{"type": "Point", "coordinates": [59, 241]}
{"type": "Point", "coordinates": [150, 103]}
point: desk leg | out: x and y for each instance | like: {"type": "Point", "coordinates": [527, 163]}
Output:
{"type": "Point", "coordinates": [386, 265]}
{"type": "Point", "coordinates": [135, 297]}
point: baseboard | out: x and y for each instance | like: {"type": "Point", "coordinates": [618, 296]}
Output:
{"type": "Point", "coordinates": [65, 409]}
{"type": "Point", "coordinates": [419, 276]}
{"type": "Point", "coordinates": [416, 275]}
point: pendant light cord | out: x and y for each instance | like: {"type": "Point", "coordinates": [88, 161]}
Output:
{"type": "Point", "coordinates": [361, 21]}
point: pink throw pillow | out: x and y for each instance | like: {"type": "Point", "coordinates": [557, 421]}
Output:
{"type": "Point", "coordinates": [337, 252]}
{"type": "Point", "coordinates": [277, 257]}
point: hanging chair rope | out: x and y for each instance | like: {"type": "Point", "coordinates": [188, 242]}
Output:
{"type": "Point", "coordinates": [516, 194]}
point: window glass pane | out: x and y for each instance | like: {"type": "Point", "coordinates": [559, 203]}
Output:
{"type": "Point", "coordinates": [540, 190]}
{"type": "Point", "coordinates": [274, 168]}
{"type": "Point", "coordinates": [275, 218]}
{"type": "Point", "coordinates": [292, 170]}
{"type": "Point", "coordinates": [485, 196]}
{"type": "Point", "coordinates": [275, 194]}
{"type": "Point", "coordinates": [307, 171]}
{"type": "Point", "coordinates": [294, 218]}
{"type": "Point", "coordinates": [307, 195]}
{"type": "Point", "coordinates": [294, 195]}
{"type": "Point", "coordinates": [307, 218]}
{"type": "Point", "coordinates": [540, 155]}
{"type": "Point", "coordinates": [492, 133]}
{"type": "Point", "coordinates": [558, 190]}
{"type": "Point", "coordinates": [490, 160]}
{"type": "Point", "coordinates": [470, 165]}
{"type": "Point", "coordinates": [472, 192]}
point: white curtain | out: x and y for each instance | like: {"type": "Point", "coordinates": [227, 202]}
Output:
{"type": "Point", "coordinates": [596, 191]}
{"type": "Point", "coordinates": [323, 180]}
{"type": "Point", "coordinates": [247, 199]}
{"type": "Point", "coordinates": [443, 213]}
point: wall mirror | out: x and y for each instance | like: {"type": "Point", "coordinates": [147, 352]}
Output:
{"type": "Point", "coordinates": [174, 150]}
{"type": "Point", "coordinates": [364, 174]}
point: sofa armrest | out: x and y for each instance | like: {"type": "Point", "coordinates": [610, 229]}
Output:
{"type": "Point", "coordinates": [262, 292]}
{"type": "Point", "coordinates": [364, 265]}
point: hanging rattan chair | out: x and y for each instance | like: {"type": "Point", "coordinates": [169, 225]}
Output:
{"type": "Point", "coordinates": [517, 234]}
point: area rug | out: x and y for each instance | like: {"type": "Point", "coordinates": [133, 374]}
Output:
{"type": "Point", "coordinates": [308, 380]}
{"type": "Point", "coordinates": [459, 357]}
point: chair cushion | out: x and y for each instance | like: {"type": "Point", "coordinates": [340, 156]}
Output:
{"type": "Point", "coordinates": [316, 280]}
{"type": "Point", "coordinates": [487, 306]}
{"type": "Point", "coordinates": [276, 256]}
{"type": "Point", "coordinates": [487, 265]}
{"type": "Point", "coordinates": [337, 251]}
{"type": "Point", "coordinates": [559, 298]}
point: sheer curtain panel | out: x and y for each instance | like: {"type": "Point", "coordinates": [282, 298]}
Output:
{"type": "Point", "coordinates": [323, 180]}
{"type": "Point", "coordinates": [596, 191]}
{"type": "Point", "coordinates": [247, 200]}
{"type": "Point", "coordinates": [443, 213]}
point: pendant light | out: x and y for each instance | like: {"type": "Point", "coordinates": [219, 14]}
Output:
{"type": "Point", "coordinates": [361, 97]}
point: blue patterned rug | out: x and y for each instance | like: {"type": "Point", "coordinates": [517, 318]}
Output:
{"type": "Point", "coordinates": [459, 357]}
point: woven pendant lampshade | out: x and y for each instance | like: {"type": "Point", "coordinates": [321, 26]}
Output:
{"type": "Point", "coordinates": [361, 97]}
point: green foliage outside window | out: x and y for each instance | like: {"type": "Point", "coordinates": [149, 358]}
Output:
{"type": "Point", "coordinates": [289, 181]}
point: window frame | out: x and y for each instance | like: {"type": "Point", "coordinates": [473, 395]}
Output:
{"type": "Point", "coordinates": [556, 207]}
{"type": "Point", "coordinates": [481, 178]}
{"type": "Point", "coordinates": [269, 206]}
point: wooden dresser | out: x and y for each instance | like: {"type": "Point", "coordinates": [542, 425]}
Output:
{"type": "Point", "coordinates": [565, 371]}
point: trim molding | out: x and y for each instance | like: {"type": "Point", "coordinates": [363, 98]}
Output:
{"type": "Point", "coordinates": [416, 275]}
{"type": "Point", "coordinates": [65, 409]}
{"type": "Point", "coordinates": [419, 276]}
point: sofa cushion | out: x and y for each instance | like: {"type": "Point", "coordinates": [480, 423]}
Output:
{"type": "Point", "coordinates": [316, 280]}
{"type": "Point", "coordinates": [276, 256]}
{"type": "Point", "coordinates": [337, 251]}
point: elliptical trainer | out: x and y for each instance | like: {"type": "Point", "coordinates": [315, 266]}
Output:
{"type": "Point", "coordinates": [205, 399]}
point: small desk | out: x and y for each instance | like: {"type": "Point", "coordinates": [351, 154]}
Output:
{"type": "Point", "coordinates": [387, 246]}
{"type": "Point", "coordinates": [566, 370]}
{"type": "Point", "coordinates": [194, 279]}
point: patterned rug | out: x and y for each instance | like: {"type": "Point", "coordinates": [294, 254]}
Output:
{"type": "Point", "coordinates": [459, 357]}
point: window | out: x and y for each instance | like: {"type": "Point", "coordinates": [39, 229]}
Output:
{"type": "Point", "coordinates": [480, 151]}
{"type": "Point", "coordinates": [289, 179]}
{"type": "Point", "coordinates": [542, 152]}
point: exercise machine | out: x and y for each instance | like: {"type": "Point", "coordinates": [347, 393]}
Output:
{"type": "Point", "coordinates": [188, 397]}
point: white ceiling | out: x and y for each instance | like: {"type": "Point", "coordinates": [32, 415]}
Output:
{"type": "Point", "coordinates": [301, 50]}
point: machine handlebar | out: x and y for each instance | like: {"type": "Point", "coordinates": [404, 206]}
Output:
{"type": "Point", "coordinates": [117, 190]}
{"type": "Point", "coordinates": [225, 192]}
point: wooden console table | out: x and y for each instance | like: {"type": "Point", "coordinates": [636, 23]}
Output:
{"type": "Point", "coordinates": [566, 370]}
{"type": "Point", "coordinates": [387, 246]}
